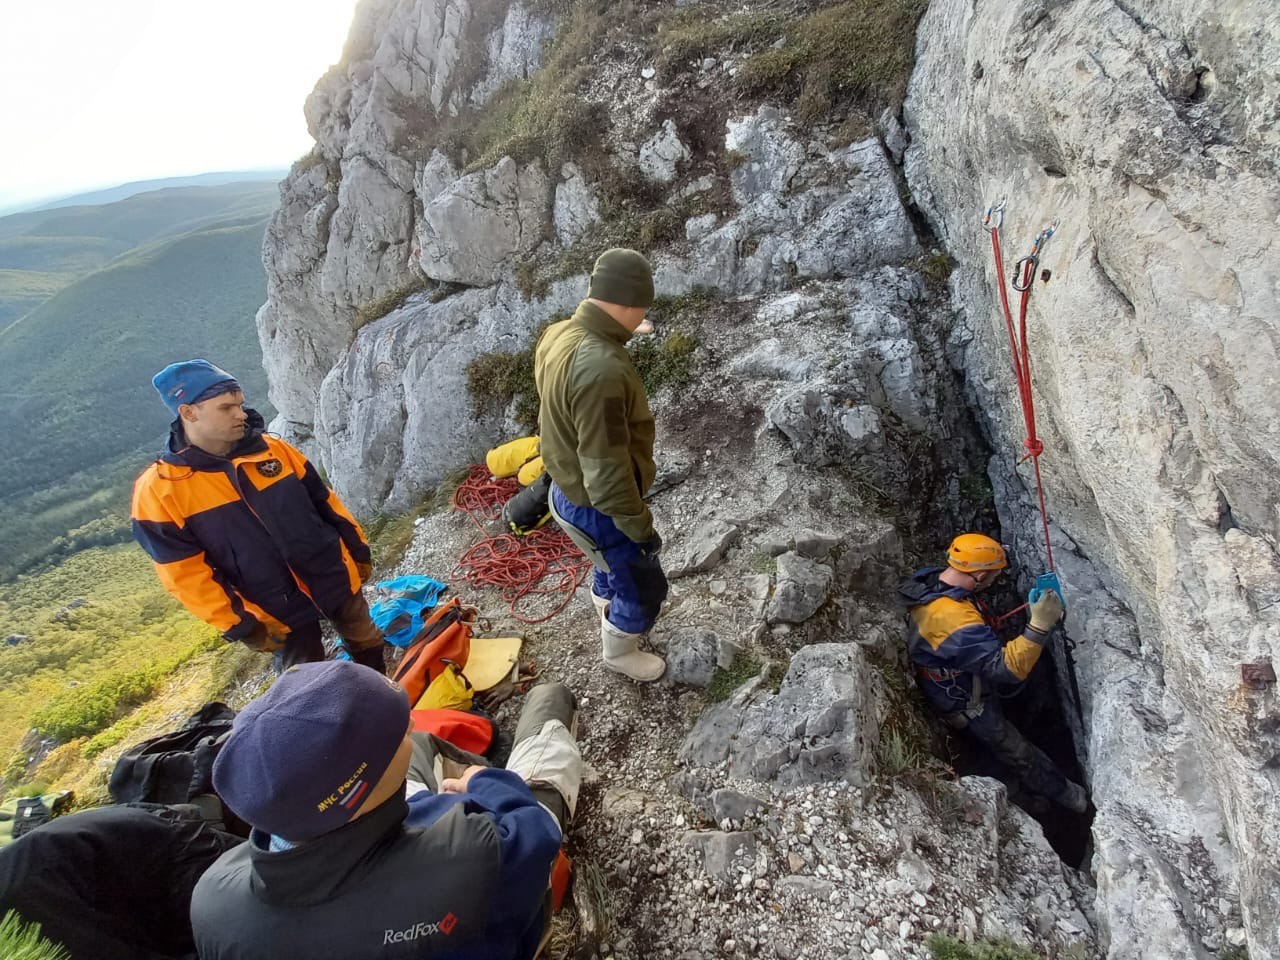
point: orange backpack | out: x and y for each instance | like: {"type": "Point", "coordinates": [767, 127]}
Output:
{"type": "Point", "coordinates": [445, 636]}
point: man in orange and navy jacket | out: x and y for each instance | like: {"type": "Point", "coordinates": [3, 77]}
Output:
{"type": "Point", "coordinates": [244, 532]}
{"type": "Point", "coordinates": [960, 661]}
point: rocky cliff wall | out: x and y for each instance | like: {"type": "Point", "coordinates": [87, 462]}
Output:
{"type": "Point", "coordinates": [348, 239]}
{"type": "Point", "coordinates": [397, 258]}
{"type": "Point", "coordinates": [1149, 129]}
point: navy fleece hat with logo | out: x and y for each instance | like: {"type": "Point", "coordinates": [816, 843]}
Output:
{"type": "Point", "coordinates": [192, 381]}
{"type": "Point", "coordinates": [303, 757]}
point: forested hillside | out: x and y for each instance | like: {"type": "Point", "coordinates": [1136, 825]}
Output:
{"type": "Point", "coordinates": [178, 274]}
{"type": "Point", "coordinates": [87, 643]}
{"type": "Point", "coordinates": [42, 251]}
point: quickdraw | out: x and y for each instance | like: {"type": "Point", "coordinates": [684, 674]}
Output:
{"type": "Point", "coordinates": [1024, 273]}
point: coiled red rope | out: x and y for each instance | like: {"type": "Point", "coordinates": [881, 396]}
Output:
{"type": "Point", "coordinates": [483, 493]}
{"type": "Point", "coordinates": [1024, 275]}
{"type": "Point", "coordinates": [516, 565]}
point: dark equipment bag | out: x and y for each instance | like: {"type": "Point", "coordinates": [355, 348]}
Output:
{"type": "Point", "coordinates": [528, 510]}
{"type": "Point", "coordinates": [173, 767]}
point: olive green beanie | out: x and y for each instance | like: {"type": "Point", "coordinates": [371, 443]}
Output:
{"type": "Point", "coordinates": [623, 277]}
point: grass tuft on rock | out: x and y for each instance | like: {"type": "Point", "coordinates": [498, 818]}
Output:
{"type": "Point", "coordinates": [906, 740]}
{"type": "Point", "coordinates": [858, 51]}
{"type": "Point", "coordinates": [666, 361]}
{"type": "Point", "coordinates": [390, 536]}
{"type": "Point", "coordinates": [744, 667]}
{"type": "Point", "coordinates": [936, 269]}
{"type": "Point", "coordinates": [690, 37]}
{"type": "Point", "coordinates": [497, 378]}
{"type": "Point", "coordinates": [677, 305]}
{"type": "Point", "coordinates": [20, 940]}
{"type": "Point", "coordinates": [379, 308]}
{"type": "Point", "coordinates": [944, 947]}
{"type": "Point", "coordinates": [545, 117]}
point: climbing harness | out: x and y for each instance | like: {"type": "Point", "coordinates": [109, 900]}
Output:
{"type": "Point", "coordinates": [515, 564]}
{"type": "Point", "coordinates": [949, 682]}
{"type": "Point", "coordinates": [1024, 274]}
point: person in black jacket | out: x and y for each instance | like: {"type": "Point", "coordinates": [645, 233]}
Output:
{"type": "Point", "coordinates": [113, 883]}
{"type": "Point", "coordinates": [363, 848]}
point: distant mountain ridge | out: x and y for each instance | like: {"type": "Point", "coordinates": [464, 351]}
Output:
{"type": "Point", "coordinates": [133, 188]}
{"type": "Point", "coordinates": [93, 300]}
{"type": "Point", "coordinates": [43, 251]}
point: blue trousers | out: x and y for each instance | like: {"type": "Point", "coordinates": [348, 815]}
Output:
{"type": "Point", "coordinates": [634, 584]}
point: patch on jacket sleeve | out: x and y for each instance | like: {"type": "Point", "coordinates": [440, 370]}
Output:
{"type": "Point", "coordinates": [270, 468]}
{"type": "Point", "coordinates": [615, 421]}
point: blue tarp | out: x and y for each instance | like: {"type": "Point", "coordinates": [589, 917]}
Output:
{"type": "Point", "coordinates": [401, 617]}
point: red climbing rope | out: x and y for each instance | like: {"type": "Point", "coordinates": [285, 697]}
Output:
{"type": "Point", "coordinates": [516, 565]}
{"type": "Point", "coordinates": [1024, 272]}
{"type": "Point", "coordinates": [483, 493]}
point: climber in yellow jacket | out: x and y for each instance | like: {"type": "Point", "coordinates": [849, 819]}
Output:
{"type": "Point", "coordinates": [960, 662]}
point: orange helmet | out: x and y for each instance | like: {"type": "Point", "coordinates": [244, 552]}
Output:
{"type": "Point", "coordinates": [973, 552]}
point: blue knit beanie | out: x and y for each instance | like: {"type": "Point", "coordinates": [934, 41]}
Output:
{"type": "Point", "coordinates": [192, 381]}
{"type": "Point", "coordinates": [303, 757]}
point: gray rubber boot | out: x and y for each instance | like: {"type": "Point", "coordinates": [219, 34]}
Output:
{"type": "Point", "coordinates": [600, 603]}
{"type": "Point", "coordinates": [622, 654]}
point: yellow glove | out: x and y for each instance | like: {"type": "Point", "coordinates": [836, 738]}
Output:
{"type": "Point", "coordinates": [1047, 611]}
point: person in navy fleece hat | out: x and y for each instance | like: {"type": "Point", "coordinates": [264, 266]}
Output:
{"type": "Point", "coordinates": [361, 848]}
{"type": "Point", "coordinates": [325, 744]}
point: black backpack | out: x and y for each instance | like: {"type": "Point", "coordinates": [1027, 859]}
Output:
{"type": "Point", "coordinates": [173, 767]}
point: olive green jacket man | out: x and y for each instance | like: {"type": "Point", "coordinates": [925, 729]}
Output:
{"type": "Point", "coordinates": [594, 420]}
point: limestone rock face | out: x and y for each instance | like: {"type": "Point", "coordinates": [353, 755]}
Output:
{"type": "Point", "coordinates": [1149, 130]}
{"type": "Point", "coordinates": [575, 208]}
{"type": "Point", "coordinates": [345, 236]}
{"type": "Point", "coordinates": [515, 51]}
{"type": "Point", "coordinates": [806, 211]}
{"type": "Point", "coordinates": [472, 230]}
{"type": "Point", "coordinates": [822, 724]}
{"type": "Point", "coordinates": [803, 587]}
{"type": "Point", "coordinates": [301, 333]}
{"type": "Point", "coordinates": [662, 153]}
{"type": "Point", "coordinates": [394, 416]}
{"type": "Point", "coordinates": [369, 205]}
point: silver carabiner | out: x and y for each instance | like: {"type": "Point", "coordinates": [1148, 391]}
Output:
{"type": "Point", "coordinates": [994, 212]}
{"type": "Point", "coordinates": [1043, 236]}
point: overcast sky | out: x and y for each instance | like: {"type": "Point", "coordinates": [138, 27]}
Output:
{"type": "Point", "coordinates": [99, 92]}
